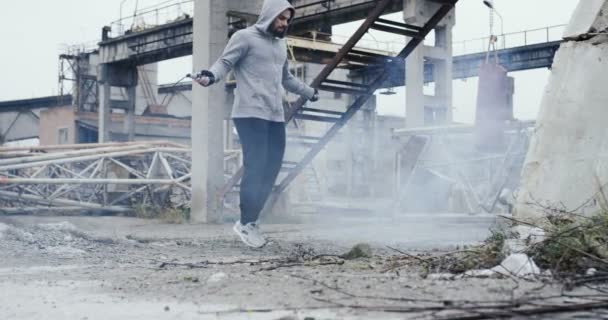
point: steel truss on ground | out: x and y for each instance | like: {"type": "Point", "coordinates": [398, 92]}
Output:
{"type": "Point", "coordinates": [114, 177]}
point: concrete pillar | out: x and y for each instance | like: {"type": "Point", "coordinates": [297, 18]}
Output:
{"type": "Point", "coordinates": [567, 163]}
{"type": "Point", "coordinates": [422, 110]}
{"type": "Point", "coordinates": [104, 104]}
{"type": "Point", "coordinates": [443, 71]}
{"type": "Point", "coordinates": [129, 124]}
{"type": "Point", "coordinates": [210, 38]}
{"type": "Point", "coordinates": [361, 165]}
{"type": "Point", "coordinates": [414, 99]}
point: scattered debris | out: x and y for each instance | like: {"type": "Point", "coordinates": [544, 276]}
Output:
{"type": "Point", "coordinates": [217, 277]}
{"type": "Point", "coordinates": [441, 276]}
{"type": "Point", "coordinates": [343, 286]}
{"type": "Point", "coordinates": [573, 244]}
{"type": "Point", "coordinates": [517, 264]}
{"type": "Point", "coordinates": [66, 251]}
{"type": "Point", "coordinates": [485, 273]}
{"type": "Point", "coordinates": [177, 215]}
{"type": "Point", "coordinates": [485, 256]}
{"type": "Point", "coordinates": [60, 239]}
{"type": "Point", "coordinates": [59, 226]}
{"type": "Point", "coordinates": [522, 238]}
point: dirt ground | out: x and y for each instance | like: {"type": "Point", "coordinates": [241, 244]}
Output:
{"type": "Point", "coordinates": [127, 268]}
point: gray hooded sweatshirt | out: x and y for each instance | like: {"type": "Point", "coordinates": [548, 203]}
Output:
{"type": "Point", "coordinates": [259, 61]}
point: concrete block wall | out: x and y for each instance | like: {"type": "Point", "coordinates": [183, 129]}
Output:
{"type": "Point", "coordinates": [54, 119]}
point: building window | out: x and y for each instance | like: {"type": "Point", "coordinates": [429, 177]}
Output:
{"type": "Point", "coordinates": [62, 136]}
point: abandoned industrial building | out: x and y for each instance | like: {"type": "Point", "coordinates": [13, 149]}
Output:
{"type": "Point", "coordinates": [119, 149]}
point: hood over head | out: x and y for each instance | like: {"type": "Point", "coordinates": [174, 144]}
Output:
{"type": "Point", "coordinates": [270, 11]}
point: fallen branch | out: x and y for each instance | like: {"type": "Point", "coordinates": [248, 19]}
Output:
{"type": "Point", "coordinates": [409, 255]}
{"type": "Point", "coordinates": [479, 312]}
{"type": "Point", "coordinates": [302, 264]}
{"type": "Point", "coordinates": [516, 310]}
{"type": "Point", "coordinates": [188, 265]}
{"type": "Point", "coordinates": [204, 264]}
{"type": "Point", "coordinates": [520, 222]}
{"type": "Point", "coordinates": [454, 305]}
{"type": "Point", "coordinates": [586, 254]}
{"type": "Point", "coordinates": [586, 280]}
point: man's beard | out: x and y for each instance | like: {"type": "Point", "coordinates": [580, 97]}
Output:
{"type": "Point", "coordinates": [279, 33]}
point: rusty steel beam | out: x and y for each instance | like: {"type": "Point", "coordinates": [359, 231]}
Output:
{"type": "Point", "coordinates": [372, 87]}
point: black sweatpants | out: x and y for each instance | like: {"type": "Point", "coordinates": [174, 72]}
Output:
{"type": "Point", "coordinates": [263, 145]}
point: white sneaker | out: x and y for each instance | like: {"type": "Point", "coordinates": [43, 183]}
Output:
{"type": "Point", "coordinates": [250, 234]}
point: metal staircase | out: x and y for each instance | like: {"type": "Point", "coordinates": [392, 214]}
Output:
{"type": "Point", "coordinates": [360, 92]}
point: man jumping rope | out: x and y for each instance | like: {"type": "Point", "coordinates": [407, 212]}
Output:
{"type": "Point", "coordinates": [258, 56]}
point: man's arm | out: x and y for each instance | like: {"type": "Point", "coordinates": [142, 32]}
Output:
{"type": "Point", "coordinates": [235, 49]}
{"type": "Point", "coordinates": [292, 84]}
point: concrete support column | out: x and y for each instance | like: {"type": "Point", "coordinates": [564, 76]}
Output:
{"type": "Point", "coordinates": [443, 72]}
{"type": "Point", "coordinates": [129, 124]}
{"type": "Point", "coordinates": [361, 134]}
{"type": "Point", "coordinates": [421, 109]}
{"type": "Point", "coordinates": [210, 38]}
{"type": "Point", "coordinates": [104, 104]}
{"type": "Point", "coordinates": [414, 89]}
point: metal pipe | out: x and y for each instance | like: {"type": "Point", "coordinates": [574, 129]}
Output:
{"type": "Point", "coordinates": [94, 145]}
{"type": "Point", "coordinates": [67, 154]}
{"type": "Point", "coordinates": [36, 209]}
{"type": "Point", "coordinates": [425, 164]}
{"type": "Point", "coordinates": [64, 202]}
{"type": "Point", "coordinates": [166, 165]}
{"type": "Point", "coordinates": [174, 157]}
{"type": "Point", "coordinates": [153, 165]}
{"type": "Point", "coordinates": [85, 181]}
{"type": "Point", "coordinates": [87, 158]}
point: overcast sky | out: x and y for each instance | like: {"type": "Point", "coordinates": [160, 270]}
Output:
{"type": "Point", "coordinates": [35, 32]}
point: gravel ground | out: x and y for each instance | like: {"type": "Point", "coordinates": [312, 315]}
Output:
{"type": "Point", "coordinates": [125, 268]}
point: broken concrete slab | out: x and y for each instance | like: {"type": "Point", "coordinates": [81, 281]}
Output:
{"type": "Point", "coordinates": [590, 16]}
{"type": "Point", "coordinates": [526, 236]}
{"type": "Point", "coordinates": [518, 265]}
